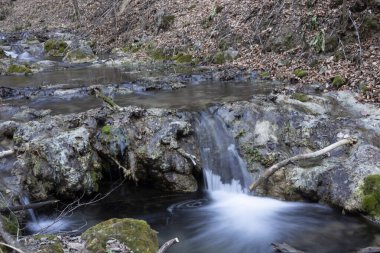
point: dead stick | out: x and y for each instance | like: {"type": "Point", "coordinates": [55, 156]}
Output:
{"type": "Point", "coordinates": [293, 159]}
{"type": "Point", "coordinates": [167, 245]}
{"type": "Point", "coordinates": [29, 206]}
{"type": "Point", "coordinates": [6, 153]}
{"type": "Point", "coordinates": [11, 247]}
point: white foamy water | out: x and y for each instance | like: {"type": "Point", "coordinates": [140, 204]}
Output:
{"type": "Point", "coordinates": [45, 226]}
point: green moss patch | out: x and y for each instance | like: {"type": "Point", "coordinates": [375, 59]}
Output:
{"type": "Point", "coordinates": [300, 97]}
{"type": "Point", "coordinates": [182, 58]}
{"type": "Point", "coordinates": [265, 75]}
{"type": "Point", "coordinates": [136, 234]}
{"type": "Point", "coordinates": [106, 129]}
{"type": "Point", "coordinates": [300, 73]}
{"type": "Point", "coordinates": [338, 81]}
{"type": "Point", "coordinates": [10, 224]}
{"type": "Point", "coordinates": [51, 244]}
{"type": "Point", "coordinates": [55, 47]}
{"type": "Point", "coordinates": [371, 195]}
{"type": "Point", "coordinates": [19, 69]}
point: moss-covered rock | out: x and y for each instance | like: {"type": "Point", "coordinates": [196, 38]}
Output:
{"type": "Point", "coordinates": [338, 81]}
{"type": "Point", "coordinates": [301, 73]}
{"type": "Point", "coordinates": [55, 47]}
{"type": "Point", "coordinates": [18, 69]}
{"type": "Point", "coordinates": [158, 54]}
{"type": "Point", "coordinates": [80, 55]}
{"type": "Point", "coordinates": [371, 195]}
{"type": "Point", "coordinates": [300, 97]}
{"type": "Point", "coordinates": [48, 244]}
{"type": "Point", "coordinates": [136, 234]}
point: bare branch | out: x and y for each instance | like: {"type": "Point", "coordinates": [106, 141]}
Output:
{"type": "Point", "coordinates": [11, 247]}
{"type": "Point", "coordinates": [29, 206]}
{"type": "Point", "coordinates": [293, 159]}
{"type": "Point", "coordinates": [167, 245]}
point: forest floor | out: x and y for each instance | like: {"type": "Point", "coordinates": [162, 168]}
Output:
{"type": "Point", "coordinates": [332, 43]}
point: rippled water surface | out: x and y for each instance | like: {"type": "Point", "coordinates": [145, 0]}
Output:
{"type": "Point", "coordinates": [226, 222]}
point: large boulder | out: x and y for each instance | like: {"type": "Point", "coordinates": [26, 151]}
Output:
{"type": "Point", "coordinates": [268, 132]}
{"type": "Point", "coordinates": [136, 234]}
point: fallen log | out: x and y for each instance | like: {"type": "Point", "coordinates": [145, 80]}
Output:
{"type": "Point", "coordinates": [293, 159]}
{"type": "Point", "coordinates": [167, 245]}
{"type": "Point", "coordinates": [6, 153]}
{"type": "Point", "coordinates": [29, 206]}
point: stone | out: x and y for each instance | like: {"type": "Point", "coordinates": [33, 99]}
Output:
{"type": "Point", "coordinates": [136, 234]}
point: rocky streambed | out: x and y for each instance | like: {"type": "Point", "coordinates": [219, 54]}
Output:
{"type": "Point", "coordinates": [152, 139]}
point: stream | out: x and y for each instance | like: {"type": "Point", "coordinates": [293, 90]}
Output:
{"type": "Point", "coordinates": [222, 217]}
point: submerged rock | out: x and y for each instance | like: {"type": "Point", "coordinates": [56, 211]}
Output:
{"type": "Point", "coordinates": [136, 234]}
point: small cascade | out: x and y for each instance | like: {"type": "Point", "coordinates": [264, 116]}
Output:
{"type": "Point", "coordinates": [25, 201]}
{"type": "Point", "coordinates": [224, 169]}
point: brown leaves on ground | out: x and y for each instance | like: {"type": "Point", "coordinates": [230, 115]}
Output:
{"type": "Point", "coordinates": [325, 38]}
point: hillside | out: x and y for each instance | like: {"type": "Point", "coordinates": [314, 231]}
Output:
{"type": "Point", "coordinates": [333, 43]}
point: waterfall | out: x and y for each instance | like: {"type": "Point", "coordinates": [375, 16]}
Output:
{"type": "Point", "coordinates": [25, 201]}
{"type": "Point", "coordinates": [223, 168]}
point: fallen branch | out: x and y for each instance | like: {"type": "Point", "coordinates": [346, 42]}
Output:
{"type": "Point", "coordinates": [6, 153]}
{"type": "Point", "coordinates": [167, 245]}
{"type": "Point", "coordinates": [29, 206]}
{"type": "Point", "coordinates": [11, 247]}
{"type": "Point", "coordinates": [191, 157]}
{"type": "Point", "coordinates": [109, 102]}
{"type": "Point", "coordinates": [293, 159]}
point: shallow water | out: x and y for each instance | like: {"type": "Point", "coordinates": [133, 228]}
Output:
{"type": "Point", "coordinates": [226, 222]}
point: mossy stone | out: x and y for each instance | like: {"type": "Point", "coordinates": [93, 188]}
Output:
{"type": "Point", "coordinates": [371, 195]}
{"type": "Point", "coordinates": [301, 73]}
{"type": "Point", "coordinates": [338, 81]}
{"type": "Point", "coordinates": [158, 54]}
{"type": "Point", "coordinates": [21, 69]}
{"type": "Point", "coordinates": [300, 97]}
{"type": "Point", "coordinates": [53, 244]}
{"type": "Point", "coordinates": [55, 47]}
{"type": "Point", "coordinates": [136, 234]}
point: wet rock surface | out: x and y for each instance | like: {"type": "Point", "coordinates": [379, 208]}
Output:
{"type": "Point", "coordinates": [268, 132]}
{"type": "Point", "coordinates": [67, 155]}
